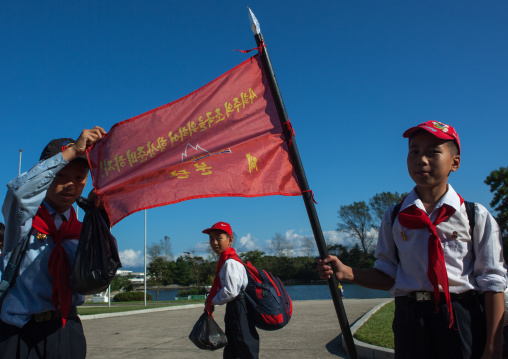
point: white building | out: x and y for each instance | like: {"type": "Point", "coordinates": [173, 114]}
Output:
{"type": "Point", "coordinates": [123, 272]}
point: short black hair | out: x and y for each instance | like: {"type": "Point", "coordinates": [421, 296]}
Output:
{"type": "Point", "coordinates": [454, 149]}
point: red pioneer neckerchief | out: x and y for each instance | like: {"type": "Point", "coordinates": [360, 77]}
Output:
{"type": "Point", "coordinates": [59, 265]}
{"type": "Point", "coordinates": [414, 218]}
{"type": "Point", "coordinates": [229, 253]}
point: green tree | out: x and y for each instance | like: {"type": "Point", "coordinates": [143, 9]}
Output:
{"type": "Point", "coordinates": [202, 269]}
{"type": "Point", "coordinates": [182, 272]}
{"type": "Point", "coordinates": [162, 249]}
{"type": "Point", "coordinates": [498, 182]}
{"type": "Point", "coordinates": [212, 256]}
{"type": "Point", "coordinates": [356, 221]}
{"type": "Point", "coordinates": [356, 256]}
{"type": "Point", "coordinates": [280, 246]}
{"type": "Point", "coordinates": [380, 202]}
{"type": "Point", "coordinates": [121, 282]}
{"type": "Point", "coordinates": [255, 257]}
{"type": "Point", "coordinates": [308, 245]}
{"type": "Point", "coordinates": [339, 250]}
{"type": "Point", "coordinates": [159, 271]}
{"type": "Point", "coordinates": [193, 266]}
{"type": "Point", "coordinates": [305, 269]}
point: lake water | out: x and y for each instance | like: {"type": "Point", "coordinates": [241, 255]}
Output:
{"type": "Point", "coordinates": [303, 292]}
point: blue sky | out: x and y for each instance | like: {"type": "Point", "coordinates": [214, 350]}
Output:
{"type": "Point", "coordinates": [353, 75]}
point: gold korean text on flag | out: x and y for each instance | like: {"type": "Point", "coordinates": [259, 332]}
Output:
{"type": "Point", "coordinates": [224, 139]}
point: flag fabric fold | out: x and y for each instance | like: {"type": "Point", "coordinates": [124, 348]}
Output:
{"type": "Point", "coordinates": [224, 139]}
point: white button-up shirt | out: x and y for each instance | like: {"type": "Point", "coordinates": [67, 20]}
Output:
{"type": "Point", "coordinates": [233, 278]}
{"type": "Point", "coordinates": [402, 253]}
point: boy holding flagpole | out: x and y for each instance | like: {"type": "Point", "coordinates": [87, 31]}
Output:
{"type": "Point", "coordinates": [447, 274]}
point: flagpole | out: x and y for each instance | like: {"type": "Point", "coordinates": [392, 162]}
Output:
{"type": "Point", "coordinates": [304, 186]}
{"type": "Point", "coordinates": [19, 169]}
{"type": "Point", "coordinates": [145, 258]}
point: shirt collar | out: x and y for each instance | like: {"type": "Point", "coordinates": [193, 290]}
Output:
{"type": "Point", "coordinates": [66, 214]}
{"type": "Point", "coordinates": [450, 198]}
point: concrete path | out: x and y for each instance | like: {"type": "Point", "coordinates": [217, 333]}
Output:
{"type": "Point", "coordinates": [312, 333]}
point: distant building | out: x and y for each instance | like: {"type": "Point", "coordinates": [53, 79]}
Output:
{"type": "Point", "coordinates": [137, 278]}
{"type": "Point", "coordinates": [123, 272]}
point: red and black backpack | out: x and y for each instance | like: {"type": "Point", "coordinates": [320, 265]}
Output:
{"type": "Point", "coordinates": [266, 294]}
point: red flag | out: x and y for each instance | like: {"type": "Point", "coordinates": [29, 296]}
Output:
{"type": "Point", "coordinates": [224, 139]}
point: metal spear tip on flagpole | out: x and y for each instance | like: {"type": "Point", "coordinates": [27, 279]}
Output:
{"type": "Point", "coordinates": [254, 23]}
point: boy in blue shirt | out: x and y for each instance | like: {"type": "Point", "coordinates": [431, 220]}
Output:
{"type": "Point", "coordinates": [448, 283]}
{"type": "Point", "coordinates": [38, 318]}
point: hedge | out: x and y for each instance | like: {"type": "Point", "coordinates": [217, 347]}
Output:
{"type": "Point", "coordinates": [131, 296]}
{"type": "Point", "coordinates": [193, 291]}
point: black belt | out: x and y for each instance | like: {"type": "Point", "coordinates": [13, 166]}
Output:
{"type": "Point", "coordinates": [427, 296]}
{"type": "Point", "coordinates": [53, 315]}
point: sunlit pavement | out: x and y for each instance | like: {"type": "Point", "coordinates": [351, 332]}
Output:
{"type": "Point", "coordinates": [312, 333]}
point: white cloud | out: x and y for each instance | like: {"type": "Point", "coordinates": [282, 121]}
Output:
{"type": "Point", "coordinates": [131, 258]}
{"type": "Point", "coordinates": [335, 237]}
{"type": "Point", "coordinates": [249, 242]}
{"type": "Point", "coordinates": [290, 234]}
{"type": "Point", "coordinates": [296, 237]}
{"type": "Point", "coordinates": [242, 244]}
{"type": "Point", "coordinates": [246, 243]}
{"type": "Point", "coordinates": [200, 249]}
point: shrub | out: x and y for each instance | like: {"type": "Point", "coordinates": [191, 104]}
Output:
{"type": "Point", "coordinates": [193, 291]}
{"type": "Point", "coordinates": [131, 296]}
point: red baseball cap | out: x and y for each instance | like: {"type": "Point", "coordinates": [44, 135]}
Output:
{"type": "Point", "coordinates": [438, 129]}
{"type": "Point", "coordinates": [221, 226]}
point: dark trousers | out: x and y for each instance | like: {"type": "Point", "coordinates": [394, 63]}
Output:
{"type": "Point", "coordinates": [243, 338]}
{"type": "Point", "coordinates": [420, 332]}
{"type": "Point", "coordinates": [43, 340]}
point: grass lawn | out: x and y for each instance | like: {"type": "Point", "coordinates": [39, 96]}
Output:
{"type": "Point", "coordinates": [99, 308]}
{"type": "Point", "coordinates": [378, 329]}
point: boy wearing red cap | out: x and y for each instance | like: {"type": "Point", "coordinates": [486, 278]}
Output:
{"type": "Point", "coordinates": [448, 283]}
{"type": "Point", "coordinates": [38, 317]}
{"type": "Point", "coordinates": [228, 287]}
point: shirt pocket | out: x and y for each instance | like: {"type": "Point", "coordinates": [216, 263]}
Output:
{"type": "Point", "coordinates": [455, 248]}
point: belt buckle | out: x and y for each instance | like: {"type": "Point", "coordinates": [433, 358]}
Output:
{"type": "Point", "coordinates": [42, 317]}
{"type": "Point", "coordinates": [422, 296]}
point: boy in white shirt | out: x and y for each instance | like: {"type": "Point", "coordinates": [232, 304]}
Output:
{"type": "Point", "coordinates": [228, 286]}
{"type": "Point", "coordinates": [448, 283]}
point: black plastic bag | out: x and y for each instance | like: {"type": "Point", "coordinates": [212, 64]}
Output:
{"type": "Point", "coordinates": [97, 256]}
{"type": "Point", "coordinates": [207, 334]}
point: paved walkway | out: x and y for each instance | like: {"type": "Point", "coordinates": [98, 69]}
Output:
{"type": "Point", "coordinates": [312, 333]}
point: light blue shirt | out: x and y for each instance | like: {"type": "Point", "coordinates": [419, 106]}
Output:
{"type": "Point", "coordinates": [32, 291]}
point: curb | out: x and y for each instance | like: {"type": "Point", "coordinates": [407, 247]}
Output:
{"type": "Point", "coordinates": [364, 350]}
{"type": "Point", "coordinates": [132, 312]}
